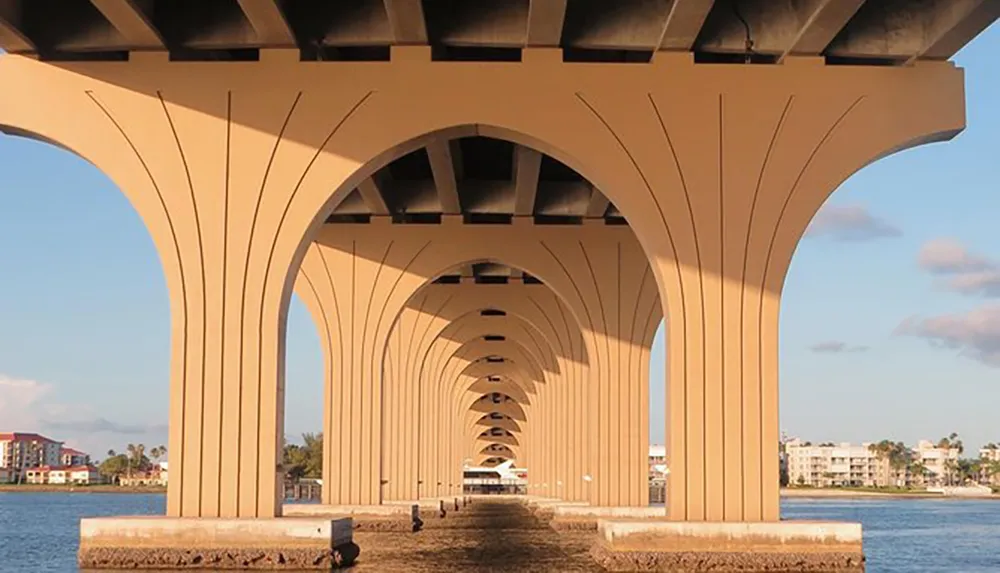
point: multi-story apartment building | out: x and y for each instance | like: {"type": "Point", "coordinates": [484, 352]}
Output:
{"type": "Point", "coordinates": [19, 451]}
{"type": "Point", "coordinates": [990, 458]}
{"type": "Point", "coordinates": [830, 464]}
{"type": "Point", "coordinates": [657, 461]}
{"type": "Point", "coordinates": [71, 457]}
{"type": "Point", "coordinates": [939, 462]}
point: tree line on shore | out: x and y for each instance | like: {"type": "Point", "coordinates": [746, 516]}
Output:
{"type": "Point", "coordinates": [136, 458]}
{"type": "Point", "coordinates": [305, 460]}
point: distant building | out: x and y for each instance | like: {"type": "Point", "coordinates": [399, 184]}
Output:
{"type": "Point", "coordinates": [71, 457]}
{"type": "Point", "coordinates": [941, 463]}
{"type": "Point", "coordinates": [991, 455]}
{"type": "Point", "coordinates": [63, 475]}
{"type": "Point", "coordinates": [155, 476]}
{"type": "Point", "coordinates": [20, 451]}
{"type": "Point", "coordinates": [828, 465]}
{"type": "Point", "coordinates": [6, 475]}
{"type": "Point", "coordinates": [657, 462]}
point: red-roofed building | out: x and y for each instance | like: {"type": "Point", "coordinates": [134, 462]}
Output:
{"type": "Point", "coordinates": [21, 450]}
{"type": "Point", "coordinates": [71, 457]}
{"type": "Point", "coordinates": [63, 475]}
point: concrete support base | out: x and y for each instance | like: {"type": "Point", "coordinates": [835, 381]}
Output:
{"type": "Point", "coordinates": [691, 547]}
{"type": "Point", "coordinates": [389, 517]}
{"type": "Point", "coordinates": [585, 517]}
{"type": "Point", "coordinates": [216, 543]}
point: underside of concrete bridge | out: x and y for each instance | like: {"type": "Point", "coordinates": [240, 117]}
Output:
{"type": "Point", "coordinates": [488, 208]}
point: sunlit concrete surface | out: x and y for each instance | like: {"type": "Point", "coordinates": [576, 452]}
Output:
{"type": "Point", "coordinates": [487, 211]}
{"type": "Point", "coordinates": [782, 546]}
{"type": "Point", "coordinates": [219, 543]}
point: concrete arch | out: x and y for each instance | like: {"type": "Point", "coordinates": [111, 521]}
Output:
{"type": "Point", "coordinates": [384, 265]}
{"type": "Point", "coordinates": [433, 308]}
{"type": "Point", "coordinates": [436, 308]}
{"type": "Point", "coordinates": [719, 221]}
{"type": "Point", "coordinates": [505, 424]}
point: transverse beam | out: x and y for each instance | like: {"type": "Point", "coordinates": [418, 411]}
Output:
{"type": "Point", "coordinates": [545, 22]}
{"type": "Point", "coordinates": [527, 166]}
{"type": "Point", "coordinates": [406, 20]}
{"type": "Point", "coordinates": [683, 22]}
{"type": "Point", "coordinates": [598, 204]}
{"type": "Point", "coordinates": [957, 24]}
{"type": "Point", "coordinates": [822, 24]}
{"type": "Point", "coordinates": [132, 20]}
{"type": "Point", "coordinates": [444, 159]}
{"type": "Point", "coordinates": [268, 20]}
{"type": "Point", "coordinates": [12, 36]}
{"type": "Point", "coordinates": [372, 195]}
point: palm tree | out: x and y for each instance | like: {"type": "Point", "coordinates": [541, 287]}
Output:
{"type": "Point", "coordinates": [111, 453]}
{"type": "Point", "coordinates": [131, 456]}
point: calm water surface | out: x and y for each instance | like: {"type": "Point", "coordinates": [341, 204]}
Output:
{"type": "Point", "coordinates": [38, 531]}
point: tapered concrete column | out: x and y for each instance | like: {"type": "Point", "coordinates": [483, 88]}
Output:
{"type": "Point", "coordinates": [735, 177]}
{"type": "Point", "coordinates": [209, 168]}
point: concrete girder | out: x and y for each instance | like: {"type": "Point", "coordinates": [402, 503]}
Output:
{"type": "Point", "coordinates": [545, 22]}
{"type": "Point", "coordinates": [907, 31]}
{"type": "Point", "coordinates": [444, 156]}
{"type": "Point", "coordinates": [527, 164]}
{"type": "Point", "coordinates": [373, 197]}
{"type": "Point", "coordinates": [683, 24]}
{"type": "Point", "coordinates": [793, 28]}
{"type": "Point", "coordinates": [132, 19]}
{"type": "Point", "coordinates": [407, 22]}
{"type": "Point", "coordinates": [12, 33]}
{"type": "Point", "coordinates": [787, 137]}
{"type": "Point", "coordinates": [268, 19]}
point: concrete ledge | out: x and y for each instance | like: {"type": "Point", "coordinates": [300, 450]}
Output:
{"type": "Point", "coordinates": [373, 518]}
{"type": "Point", "coordinates": [585, 518]}
{"type": "Point", "coordinates": [320, 510]}
{"type": "Point", "coordinates": [215, 543]}
{"type": "Point", "coordinates": [628, 545]}
{"type": "Point", "coordinates": [608, 511]}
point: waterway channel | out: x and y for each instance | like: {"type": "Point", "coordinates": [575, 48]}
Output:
{"type": "Point", "coordinates": [38, 533]}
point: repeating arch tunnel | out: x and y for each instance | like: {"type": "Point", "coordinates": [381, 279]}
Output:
{"type": "Point", "coordinates": [328, 197]}
{"type": "Point", "coordinates": [481, 347]}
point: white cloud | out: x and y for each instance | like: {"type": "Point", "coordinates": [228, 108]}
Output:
{"type": "Point", "coordinates": [975, 334]}
{"type": "Point", "coordinates": [836, 347]}
{"type": "Point", "coordinates": [948, 256]}
{"type": "Point", "coordinates": [964, 272]}
{"type": "Point", "coordinates": [850, 223]}
{"type": "Point", "coordinates": [32, 406]}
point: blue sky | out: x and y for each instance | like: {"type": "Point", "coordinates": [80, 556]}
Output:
{"type": "Point", "coordinates": [887, 328]}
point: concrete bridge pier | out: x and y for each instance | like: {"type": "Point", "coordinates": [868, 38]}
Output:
{"type": "Point", "coordinates": [679, 172]}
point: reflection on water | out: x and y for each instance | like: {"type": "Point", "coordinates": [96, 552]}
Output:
{"type": "Point", "coordinates": [38, 531]}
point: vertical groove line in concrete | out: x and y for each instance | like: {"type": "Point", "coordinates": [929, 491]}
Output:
{"type": "Point", "coordinates": [374, 355]}
{"type": "Point", "coordinates": [180, 267]}
{"type": "Point", "coordinates": [369, 370]}
{"type": "Point", "coordinates": [330, 379]}
{"type": "Point", "coordinates": [243, 304]}
{"type": "Point", "coordinates": [680, 282]}
{"type": "Point", "coordinates": [767, 265]}
{"type": "Point", "coordinates": [274, 242]}
{"type": "Point", "coordinates": [204, 297]}
{"type": "Point", "coordinates": [225, 258]}
{"type": "Point", "coordinates": [722, 300]}
{"type": "Point", "coordinates": [746, 257]}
